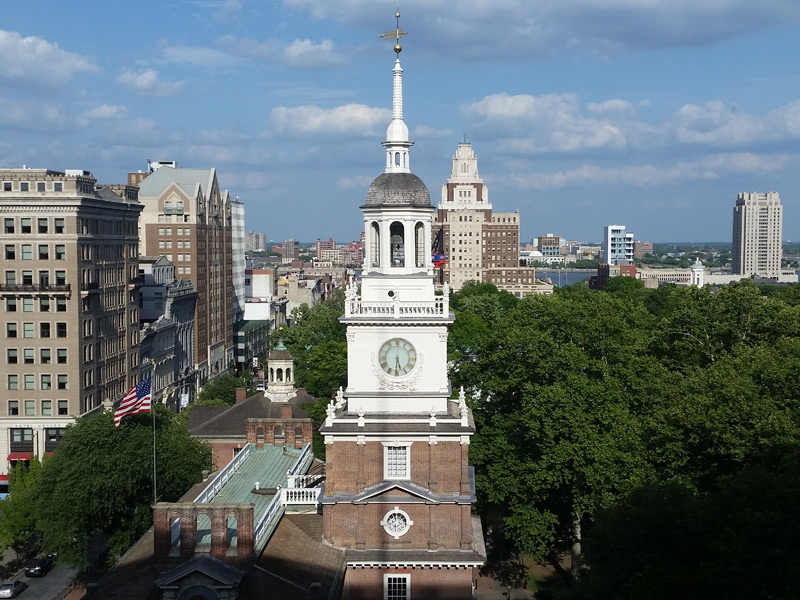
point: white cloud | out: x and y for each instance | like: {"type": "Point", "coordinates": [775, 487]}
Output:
{"type": "Point", "coordinates": [423, 132]}
{"type": "Point", "coordinates": [710, 167]}
{"type": "Point", "coordinates": [32, 116]}
{"type": "Point", "coordinates": [347, 120]}
{"type": "Point", "coordinates": [104, 112]}
{"type": "Point", "coordinates": [148, 83]}
{"type": "Point", "coordinates": [299, 53]}
{"type": "Point", "coordinates": [359, 182]}
{"type": "Point", "coordinates": [199, 56]}
{"type": "Point", "coordinates": [26, 59]}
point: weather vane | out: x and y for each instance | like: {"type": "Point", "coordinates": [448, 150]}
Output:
{"type": "Point", "coordinates": [397, 34]}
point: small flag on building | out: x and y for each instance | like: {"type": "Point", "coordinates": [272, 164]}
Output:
{"type": "Point", "coordinates": [136, 401]}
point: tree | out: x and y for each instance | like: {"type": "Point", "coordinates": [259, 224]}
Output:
{"type": "Point", "coordinates": [224, 388]}
{"type": "Point", "coordinates": [18, 522]}
{"type": "Point", "coordinates": [100, 481]}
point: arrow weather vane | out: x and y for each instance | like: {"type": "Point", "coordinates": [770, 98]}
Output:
{"type": "Point", "coordinates": [397, 34]}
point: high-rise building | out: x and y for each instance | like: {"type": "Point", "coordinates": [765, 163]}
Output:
{"type": "Point", "coordinates": [238, 259]}
{"type": "Point", "coordinates": [640, 249]}
{"type": "Point", "coordinates": [255, 242]}
{"type": "Point", "coordinates": [70, 300]}
{"type": "Point", "coordinates": [399, 488]}
{"type": "Point", "coordinates": [617, 245]}
{"type": "Point", "coordinates": [479, 244]}
{"type": "Point", "coordinates": [757, 232]}
{"type": "Point", "coordinates": [188, 219]}
{"type": "Point", "coordinates": [290, 250]}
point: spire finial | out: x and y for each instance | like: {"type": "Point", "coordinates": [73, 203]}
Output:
{"type": "Point", "coordinates": [397, 34]}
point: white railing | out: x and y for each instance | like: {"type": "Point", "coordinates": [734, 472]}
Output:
{"type": "Point", "coordinates": [271, 515]}
{"type": "Point", "coordinates": [440, 307]}
{"type": "Point", "coordinates": [304, 481]}
{"type": "Point", "coordinates": [223, 476]}
{"type": "Point", "coordinates": [302, 463]}
{"type": "Point", "coordinates": [290, 496]}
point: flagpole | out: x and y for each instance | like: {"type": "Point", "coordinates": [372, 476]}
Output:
{"type": "Point", "coordinates": [153, 413]}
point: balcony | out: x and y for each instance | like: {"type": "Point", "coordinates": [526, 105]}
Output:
{"type": "Point", "coordinates": [90, 286]}
{"type": "Point", "coordinates": [178, 210]}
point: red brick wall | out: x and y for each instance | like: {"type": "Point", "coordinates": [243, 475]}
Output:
{"type": "Point", "coordinates": [435, 526]}
{"type": "Point", "coordinates": [428, 584]}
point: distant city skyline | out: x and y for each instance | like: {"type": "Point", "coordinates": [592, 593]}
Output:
{"type": "Point", "coordinates": [582, 113]}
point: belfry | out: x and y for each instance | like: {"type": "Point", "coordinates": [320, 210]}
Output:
{"type": "Point", "coordinates": [399, 488]}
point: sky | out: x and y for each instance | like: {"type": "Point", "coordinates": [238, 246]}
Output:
{"type": "Point", "coordinates": [653, 114]}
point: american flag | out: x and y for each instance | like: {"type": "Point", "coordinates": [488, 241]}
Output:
{"type": "Point", "coordinates": [137, 400]}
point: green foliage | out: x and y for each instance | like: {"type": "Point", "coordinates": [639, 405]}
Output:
{"type": "Point", "coordinates": [319, 347]}
{"type": "Point", "coordinates": [18, 522]}
{"type": "Point", "coordinates": [642, 415]}
{"type": "Point", "coordinates": [224, 387]}
{"type": "Point", "coordinates": [101, 481]}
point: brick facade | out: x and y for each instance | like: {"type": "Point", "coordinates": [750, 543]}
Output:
{"type": "Point", "coordinates": [295, 432]}
{"type": "Point", "coordinates": [427, 583]}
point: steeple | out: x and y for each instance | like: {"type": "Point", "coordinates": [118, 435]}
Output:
{"type": "Point", "coordinates": [397, 144]}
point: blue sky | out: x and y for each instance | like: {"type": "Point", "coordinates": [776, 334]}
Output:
{"type": "Point", "coordinates": [649, 113]}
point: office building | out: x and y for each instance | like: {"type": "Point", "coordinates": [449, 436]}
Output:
{"type": "Point", "coordinates": [69, 302]}
{"type": "Point", "coordinates": [188, 219]}
{"type": "Point", "coordinates": [617, 245]}
{"type": "Point", "coordinates": [757, 231]}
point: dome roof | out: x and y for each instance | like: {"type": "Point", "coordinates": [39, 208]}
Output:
{"type": "Point", "coordinates": [400, 189]}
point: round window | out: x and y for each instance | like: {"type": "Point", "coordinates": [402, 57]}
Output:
{"type": "Point", "coordinates": [396, 522]}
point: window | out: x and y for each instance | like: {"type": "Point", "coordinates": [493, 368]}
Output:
{"type": "Point", "coordinates": [11, 252]}
{"type": "Point", "coordinates": [6, 186]}
{"type": "Point", "coordinates": [13, 407]}
{"type": "Point", "coordinates": [23, 187]}
{"type": "Point", "coordinates": [13, 382]}
{"type": "Point", "coordinates": [44, 356]}
{"type": "Point", "coordinates": [61, 252]}
{"type": "Point", "coordinates": [11, 304]}
{"type": "Point", "coordinates": [30, 408]}
{"type": "Point", "coordinates": [27, 330]}
{"type": "Point", "coordinates": [62, 382]}
{"type": "Point", "coordinates": [44, 304]}
{"type": "Point", "coordinates": [30, 381]}
{"type": "Point", "coordinates": [11, 278]}
{"type": "Point", "coordinates": [41, 225]}
{"type": "Point", "coordinates": [25, 225]}
{"type": "Point", "coordinates": [61, 356]}
{"type": "Point", "coordinates": [47, 408]}
{"type": "Point", "coordinates": [61, 305]}
{"type": "Point", "coordinates": [61, 330]}
{"type": "Point", "coordinates": [27, 305]}
{"type": "Point", "coordinates": [12, 356]}
{"type": "Point", "coordinates": [58, 186]}
{"type": "Point", "coordinates": [59, 223]}
{"type": "Point", "coordinates": [395, 465]}
{"type": "Point", "coordinates": [11, 330]}
{"type": "Point", "coordinates": [61, 278]}
{"type": "Point", "coordinates": [8, 225]}
{"type": "Point", "coordinates": [63, 408]}
{"type": "Point", "coordinates": [27, 252]}
{"type": "Point", "coordinates": [397, 587]}
{"type": "Point", "coordinates": [44, 330]}
{"type": "Point", "coordinates": [28, 354]}
{"type": "Point", "coordinates": [44, 252]}
{"type": "Point", "coordinates": [27, 278]}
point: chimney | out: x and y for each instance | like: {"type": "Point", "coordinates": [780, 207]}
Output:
{"type": "Point", "coordinates": [241, 395]}
{"type": "Point", "coordinates": [286, 411]}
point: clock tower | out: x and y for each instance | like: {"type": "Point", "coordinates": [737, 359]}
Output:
{"type": "Point", "coordinates": [399, 488]}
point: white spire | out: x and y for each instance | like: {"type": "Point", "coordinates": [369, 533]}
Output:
{"type": "Point", "coordinates": [397, 144]}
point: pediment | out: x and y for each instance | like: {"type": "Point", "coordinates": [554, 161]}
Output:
{"type": "Point", "coordinates": [396, 491]}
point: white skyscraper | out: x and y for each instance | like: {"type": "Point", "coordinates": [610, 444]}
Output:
{"type": "Point", "coordinates": [617, 245]}
{"type": "Point", "coordinates": [757, 232]}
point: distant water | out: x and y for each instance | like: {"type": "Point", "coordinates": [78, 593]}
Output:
{"type": "Point", "coordinates": [563, 277]}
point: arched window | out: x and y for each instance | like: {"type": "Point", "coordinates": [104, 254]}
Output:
{"type": "Point", "coordinates": [298, 437]}
{"type": "Point", "coordinates": [375, 243]}
{"type": "Point", "coordinates": [271, 375]}
{"type": "Point", "coordinates": [232, 533]}
{"type": "Point", "coordinates": [279, 374]}
{"type": "Point", "coordinates": [419, 238]}
{"type": "Point", "coordinates": [397, 158]}
{"type": "Point", "coordinates": [203, 533]}
{"type": "Point", "coordinates": [397, 238]}
{"type": "Point", "coordinates": [280, 434]}
{"type": "Point", "coordinates": [288, 375]}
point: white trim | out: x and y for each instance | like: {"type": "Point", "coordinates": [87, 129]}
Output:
{"type": "Point", "coordinates": [386, 449]}
{"type": "Point", "coordinates": [407, 579]}
{"type": "Point", "coordinates": [387, 525]}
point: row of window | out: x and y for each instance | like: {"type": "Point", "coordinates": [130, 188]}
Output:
{"type": "Point", "coordinates": [29, 354]}
{"type": "Point", "coordinates": [43, 252]}
{"type": "Point", "coordinates": [178, 231]}
{"type": "Point", "coordinates": [27, 278]}
{"type": "Point", "coordinates": [45, 408]}
{"type": "Point", "coordinates": [45, 383]}
{"type": "Point", "coordinates": [28, 329]}
{"type": "Point", "coordinates": [25, 186]}
{"type": "Point", "coordinates": [180, 243]}
{"type": "Point", "coordinates": [26, 225]}
{"type": "Point", "coordinates": [26, 304]}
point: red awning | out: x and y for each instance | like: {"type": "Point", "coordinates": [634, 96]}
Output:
{"type": "Point", "coordinates": [3, 478]}
{"type": "Point", "coordinates": [20, 456]}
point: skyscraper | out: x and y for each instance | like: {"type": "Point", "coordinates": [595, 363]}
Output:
{"type": "Point", "coordinates": [617, 245]}
{"type": "Point", "coordinates": [757, 232]}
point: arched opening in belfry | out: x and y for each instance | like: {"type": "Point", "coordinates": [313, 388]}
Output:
{"type": "Point", "coordinates": [203, 533]}
{"type": "Point", "coordinates": [375, 245]}
{"type": "Point", "coordinates": [397, 239]}
{"type": "Point", "coordinates": [419, 239]}
{"type": "Point", "coordinates": [279, 434]}
{"type": "Point", "coordinates": [232, 534]}
{"type": "Point", "coordinates": [279, 374]}
{"type": "Point", "coordinates": [397, 158]}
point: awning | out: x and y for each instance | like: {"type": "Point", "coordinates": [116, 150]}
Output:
{"type": "Point", "coordinates": [3, 478]}
{"type": "Point", "coordinates": [20, 456]}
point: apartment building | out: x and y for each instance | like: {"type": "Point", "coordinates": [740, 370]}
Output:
{"type": "Point", "coordinates": [69, 301]}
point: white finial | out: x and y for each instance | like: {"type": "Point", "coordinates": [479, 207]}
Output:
{"type": "Point", "coordinates": [397, 143]}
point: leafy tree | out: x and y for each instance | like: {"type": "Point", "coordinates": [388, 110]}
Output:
{"type": "Point", "coordinates": [224, 388]}
{"type": "Point", "coordinates": [18, 522]}
{"type": "Point", "coordinates": [100, 481]}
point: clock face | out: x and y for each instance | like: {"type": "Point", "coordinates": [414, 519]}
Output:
{"type": "Point", "coordinates": [397, 357]}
